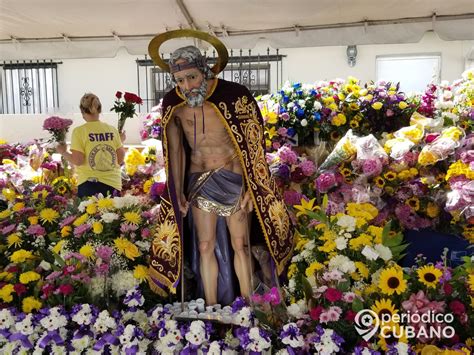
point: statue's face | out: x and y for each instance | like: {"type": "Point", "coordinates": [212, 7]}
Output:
{"type": "Point", "coordinates": [192, 84]}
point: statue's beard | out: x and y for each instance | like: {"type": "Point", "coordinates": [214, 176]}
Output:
{"type": "Point", "coordinates": [196, 97]}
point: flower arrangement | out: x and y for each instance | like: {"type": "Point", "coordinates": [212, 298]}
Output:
{"type": "Point", "coordinates": [58, 127]}
{"type": "Point", "coordinates": [152, 124]}
{"type": "Point", "coordinates": [124, 105]}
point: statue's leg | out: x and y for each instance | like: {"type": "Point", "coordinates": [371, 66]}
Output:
{"type": "Point", "coordinates": [238, 228]}
{"type": "Point", "coordinates": [205, 224]}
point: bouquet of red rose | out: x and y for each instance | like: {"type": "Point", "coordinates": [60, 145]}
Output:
{"type": "Point", "coordinates": [58, 127]}
{"type": "Point", "coordinates": [124, 105]}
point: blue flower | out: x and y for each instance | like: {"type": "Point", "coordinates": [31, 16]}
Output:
{"type": "Point", "coordinates": [286, 99]}
{"type": "Point", "coordinates": [291, 132]}
{"type": "Point", "coordinates": [297, 85]}
{"type": "Point", "coordinates": [300, 113]}
{"type": "Point", "coordinates": [317, 116]}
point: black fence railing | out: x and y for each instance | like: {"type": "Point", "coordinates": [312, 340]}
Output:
{"type": "Point", "coordinates": [260, 73]}
{"type": "Point", "coordinates": [28, 86]}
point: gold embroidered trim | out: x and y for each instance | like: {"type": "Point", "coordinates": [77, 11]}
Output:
{"type": "Point", "coordinates": [214, 207]}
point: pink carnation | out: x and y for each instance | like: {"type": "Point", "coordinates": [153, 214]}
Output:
{"type": "Point", "coordinates": [325, 182]}
{"type": "Point", "coordinates": [55, 123]}
{"type": "Point", "coordinates": [308, 167]}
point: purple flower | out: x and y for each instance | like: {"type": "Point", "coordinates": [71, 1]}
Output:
{"type": "Point", "coordinates": [287, 155]}
{"type": "Point", "coordinates": [104, 252]}
{"type": "Point", "coordinates": [8, 229]}
{"type": "Point", "coordinates": [372, 167]}
{"type": "Point", "coordinates": [326, 181]}
{"type": "Point", "coordinates": [307, 167]}
{"type": "Point", "coordinates": [83, 228]}
{"type": "Point", "coordinates": [36, 229]}
{"type": "Point", "coordinates": [67, 221]}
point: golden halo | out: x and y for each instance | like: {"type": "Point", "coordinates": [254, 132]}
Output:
{"type": "Point", "coordinates": [156, 42]}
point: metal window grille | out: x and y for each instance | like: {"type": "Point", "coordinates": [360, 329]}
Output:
{"type": "Point", "coordinates": [29, 87]}
{"type": "Point", "coordinates": [261, 74]}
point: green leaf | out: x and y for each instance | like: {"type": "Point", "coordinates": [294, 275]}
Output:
{"type": "Point", "coordinates": [357, 305]}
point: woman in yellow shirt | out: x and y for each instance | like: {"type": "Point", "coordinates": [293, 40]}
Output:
{"type": "Point", "coordinates": [96, 151]}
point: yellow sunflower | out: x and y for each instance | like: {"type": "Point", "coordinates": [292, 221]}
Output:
{"type": "Point", "coordinates": [379, 181]}
{"type": "Point", "coordinates": [384, 309]}
{"type": "Point", "coordinates": [48, 215]}
{"type": "Point", "coordinates": [429, 276]}
{"type": "Point", "coordinates": [132, 217]}
{"type": "Point", "coordinates": [390, 175]}
{"type": "Point", "coordinates": [470, 282]}
{"type": "Point", "coordinates": [414, 203]}
{"type": "Point", "coordinates": [392, 333]}
{"type": "Point", "coordinates": [391, 281]}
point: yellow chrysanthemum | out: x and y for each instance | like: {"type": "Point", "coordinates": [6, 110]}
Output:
{"type": "Point", "coordinates": [427, 158]}
{"type": "Point", "coordinates": [48, 215]}
{"type": "Point", "coordinates": [429, 275]}
{"type": "Point", "coordinates": [33, 220]}
{"type": "Point", "coordinates": [366, 211]}
{"type": "Point", "coordinates": [91, 209]}
{"type": "Point", "coordinates": [391, 281]}
{"type": "Point", "coordinates": [132, 217]}
{"type": "Point", "coordinates": [14, 240]}
{"type": "Point", "coordinates": [81, 220]}
{"type": "Point", "coordinates": [18, 206]}
{"type": "Point", "coordinates": [97, 227]}
{"type": "Point", "coordinates": [66, 231]}
{"type": "Point", "coordinates": [311, 269]}
{"type": "Point", "coordinates": [140, 272]}
{"type": "Point", "coordinates": [30, 303]}
{"type": "Point", "coordinates": [57, 248]}
{"type": "Point", "coordinates": [292, 269]}
{"type": "Point", "coordinates": [384, 309]}
{"type": "Point", "coordinates": [29, 276]}
{"type": "Point", "coordinates": [360, 242]}
{"type": "Point", "coordinates": [339, 120]}
{"type": "Point", "coordinates": [147, 185]}
{"type": "Point", "coordinates": [87, 251]}
{"type": "Point", "coordinates": [377, 105]}
{"type": "Point", "coordinates": [105, 203]}
{"type": "Point", "coordinates": [127, 248]}
{"type": "Point", "coordinates": [5, 214]}
{"type": "Point", "coordinates": [9, 194]}
{"type": "Point", "coordinates": [6, 293]}
{"type": "Point", "coordinates": [20, 256]}
{"type": "Point", "coordinates": [432, 210]}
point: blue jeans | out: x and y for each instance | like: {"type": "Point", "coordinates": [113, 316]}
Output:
{"type": "Point", "coordinates": [91, 188]}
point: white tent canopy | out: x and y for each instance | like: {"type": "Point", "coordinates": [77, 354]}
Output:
{"type": "Point", "coordinates": [31, 29]}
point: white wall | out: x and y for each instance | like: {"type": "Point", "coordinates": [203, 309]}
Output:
{"type": "Point", "coordinates": [322, 63]}
{"type": "Point", "coordinates": [104, 76]}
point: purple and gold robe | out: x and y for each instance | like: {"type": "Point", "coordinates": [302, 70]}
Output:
{"type": "Point", "coordinates": [239, 113]}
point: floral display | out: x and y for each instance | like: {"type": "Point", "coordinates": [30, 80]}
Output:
{"type": "Point", "coordinates": [125, 106]}
{"type": "Point", "coordinates": [58, 127]}
{"type": "Point", "coordinates": [73, 278]}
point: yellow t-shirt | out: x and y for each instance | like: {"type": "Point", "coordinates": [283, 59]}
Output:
{"type": "Point", "coordinates": [99, 142]}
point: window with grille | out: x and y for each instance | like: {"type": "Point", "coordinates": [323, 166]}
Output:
{"type": "Point", "coordinates": [29, 87]}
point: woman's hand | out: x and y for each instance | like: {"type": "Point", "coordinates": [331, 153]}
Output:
{"type": "Point", "coordinates": [123, 136]}
{"type": "Point", "coordinates": [61, 148]}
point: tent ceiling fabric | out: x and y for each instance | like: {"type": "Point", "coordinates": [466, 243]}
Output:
{"type": "Point", "coordinates": [32, 29]}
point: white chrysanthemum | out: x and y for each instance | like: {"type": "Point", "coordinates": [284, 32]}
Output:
{"type": "Point", "coordinates": [258, 343]}
{"type": "Point", "coordinates": [6, 319]}
{"type": "Point", "coordinates": [370, 253]}
{"type": "Point", "coordinates": [122, 281]}
{"type": "Point", "coordinates": [402, 348]}
{"type": "Point", "coordinates": [96, 286]}
{"type": "Point", "coordinates": [304, 122]}
{"type": "Point", "coordinates": [84, 316]}
{"type": "Point", "coordinates": [242, 317]}
{"type": "Point", "coordinates": [138, 316]}
{"type": "Point", "coordinates": [341, 243]}
{"type": "Point", "coordinates": [384, 252]}
{"type": "Point", "coordinates": [342, 263]}
{"type": "Point", "coordinates": [292, 285]}
{"type": "Point", "coordinates": [127, 201]}
{"type": "Point", "coordinates": [317, 105]}
{"type": "Point", "coordinates": [143, 245]}
{"type": "Point", "coordinates": [297, 258]}
{"type": "Point", "coordinates": [197, 333]}
{"type": "Point", "coordinates": [54, 320]}
{"type": "Point", "coordinates": [109, 217]}
{"type": "Point", "coordinates": [104, 322]}
{"type": "Point", "coordinates": [83, 205]}
{"type": "Point", "coordinates": [347, 222]}
{"type": "Point", "coordinates": [81, 343]}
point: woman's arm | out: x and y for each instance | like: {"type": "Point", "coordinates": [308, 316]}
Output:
{"type": "Point", "coordinates": [74, 157]}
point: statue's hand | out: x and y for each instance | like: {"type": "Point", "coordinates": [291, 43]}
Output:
{"type": "Point", "coordinates": [183, 205]}
{"type": "Point", "coordinates": [247, 204]}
